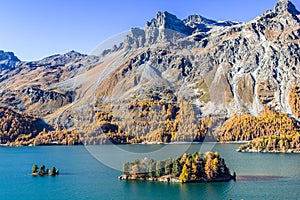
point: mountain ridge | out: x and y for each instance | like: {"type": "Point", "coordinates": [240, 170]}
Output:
{"type": "Point", "coordinates": [196, 70]}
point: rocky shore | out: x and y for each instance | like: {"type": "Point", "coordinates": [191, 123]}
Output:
{"type": "Point", "coordinates": [171, 179]}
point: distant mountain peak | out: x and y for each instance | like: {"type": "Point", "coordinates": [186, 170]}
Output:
{"type": "Point", "coordinates": [200, 19]}
{"type": "Point", "coordinates": [202, 24]}
{"type": "Point", "coordinates": [65, 55]}
{"type": "Point", "coordinates": [163, 19]}
{"type": "Point", "coordinates": [73, 52]}
{"type": "Point", "coordinates": [283, 6]}
{"type": "Point", "coordinates": [8, 55]}
{"type": "Point", "coordinates": [169, 21]}
{"type": "Point", "coordinates": [8, 60]}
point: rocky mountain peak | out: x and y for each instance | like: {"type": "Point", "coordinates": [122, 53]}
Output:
{"type": "Point", "coordinates": [283, 6]}
{"type": "Point", "coordinates": [198, 19]}
{"type": "Point", "coordinates": [7, 60]}
{"type": "Point", "coordinates": [73, 53]}
{"type": "Point", "coordinates": [164, 27]}
{"type": "Point", "coordinates": [169, 21]}
{"type": "Point", "coordinates": [164, 19]}
{"type": "Point", "coordinates": [8, 56]}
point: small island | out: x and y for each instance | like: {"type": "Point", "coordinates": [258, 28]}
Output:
{"type": "Point", "coordinates": [42, 171]}
{"type": "Point", "coordinates": [188, 168]}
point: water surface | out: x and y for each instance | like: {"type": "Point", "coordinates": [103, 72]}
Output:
{"type": "Point", "coordinates": [260, 176]}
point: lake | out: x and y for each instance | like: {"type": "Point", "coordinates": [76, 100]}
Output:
{"type": "Point", "coordinates": [92, 172]}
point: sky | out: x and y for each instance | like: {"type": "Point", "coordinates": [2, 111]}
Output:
{"type": "Point", "coordinates": [34, 29]}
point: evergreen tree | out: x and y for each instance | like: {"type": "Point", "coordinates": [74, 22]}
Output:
{"type": "Point", "coordinates": [35, 168]}
{"type": "Point", "coordinates": [168, 166]}
{"type": "Point", "coordinates": [53, 171]}
{"type": "Point", "coordinates": [42, 170]}
{"type": "Point", "coordinates": [200, 169]}
{"type": "Point", "coordinates": [194, 171]}
{"type": "Point", "coordinates": [152, 168]}
{"type": "Point", "coordinates": [136, 169]}
{"type": "Point", "coordinates": [176, 169]}
{"type": "Point", "coordinates": [126, 168]}
{"type": "Point", "coordinates": [160, 168]}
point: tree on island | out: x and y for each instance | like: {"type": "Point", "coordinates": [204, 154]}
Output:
{"type": "Point", "coordinates": [126, 168]}
{"type": "Point", "coordinates": [160, 171]}
{"type": "Point", "coordinates": [176, 169]}
{"type": "Point", "coordinates": [54, 171]}
{"type": "Point", "coordinates": [42, 170]}
{"type": "Point", "coordinates": [35, 168]}
{"type": "Point", "coordinates": [168, 166]}
{"type": "Point", "coordinates": [152, 168]}
{"type": "Point", "coordinates": [184, 176]}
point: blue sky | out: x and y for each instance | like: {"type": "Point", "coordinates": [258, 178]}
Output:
{"type": "Point", "coordinates": [34, 29]}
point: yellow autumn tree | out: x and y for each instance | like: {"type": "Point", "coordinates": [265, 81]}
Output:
{"type": "Point", "coordinates": [184, 176]}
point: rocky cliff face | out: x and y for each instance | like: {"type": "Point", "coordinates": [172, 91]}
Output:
{"type": "Point", "coordinates": [219, 68]}
{"type": "Point", "coordinates": [243, 66]}
{"type": "Point", "coordinates": [168, 28]}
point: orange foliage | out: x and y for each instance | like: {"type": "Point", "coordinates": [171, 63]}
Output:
{"type": "Point", "coordinates": [294, 100]}
{"type": "Point", "coordinates": [247, 127]}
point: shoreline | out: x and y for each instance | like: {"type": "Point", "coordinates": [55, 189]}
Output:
{"type": "Point", "coordinates": [184, 143]}
{"type": "Point", "coordinates": [143, 143]}
{"type": "Point", "coordinates": [264, 151]}
{"type": "Point", "coordinates": [170, 179]}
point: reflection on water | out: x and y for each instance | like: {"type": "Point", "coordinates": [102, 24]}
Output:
{"type": "Point", "coordinates": [157, 190]}
{"type": "Point", "coordinates": [260, 178]}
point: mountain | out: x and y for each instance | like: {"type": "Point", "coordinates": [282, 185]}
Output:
{"type": "Point", "coordinates": [243, 66]}
{"type": "Point", "coordinates": [7, 60]}
{"type": "Point", "coordinates": [28, 86]}
{"type": "Point", "coordinates": [169, 73]}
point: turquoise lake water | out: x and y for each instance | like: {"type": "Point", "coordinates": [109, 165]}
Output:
{"type": "Point", "coordinates": [260, 176]}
